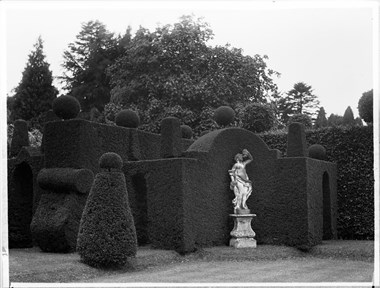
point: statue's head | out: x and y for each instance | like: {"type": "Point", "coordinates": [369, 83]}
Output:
{"type": "Point", "coordinates": [238, 157]}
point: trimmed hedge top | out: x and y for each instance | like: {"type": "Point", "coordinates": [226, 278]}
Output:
{"type": "Point", "coordinates": [66, 107]}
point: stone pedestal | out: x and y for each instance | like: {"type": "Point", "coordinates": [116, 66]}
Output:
{"type": "Point", "coordinates": [242, 234]}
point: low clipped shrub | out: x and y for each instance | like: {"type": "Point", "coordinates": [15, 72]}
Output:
{"type": "Point", "coordinates": [110, 161]}
{"type": "Point", "coordinates": [224, 115]}
{"type": "Point", "coordinates": [127, 118]}
{"type": "Point", "coordinates": [107, 233]}
{"type": "Point", "coordinates": [186, 132]}
{"type": "Point", "coordinates": [317, 151]}
{"type": "Point", "coordinates": [258, 117]}
{"type": "Point", "coordinates": [66, 107]}
{"type": "Point", "coordinates": [301, 118]}
{"type": "Point", "coordinates": [352, 149]}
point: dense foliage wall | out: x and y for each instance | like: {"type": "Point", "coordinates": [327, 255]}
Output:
{"type": "Point", "coordinates": [352, 149]}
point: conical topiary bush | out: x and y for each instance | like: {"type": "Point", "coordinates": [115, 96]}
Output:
{"type": "Point", "coordinates": [107, 233]}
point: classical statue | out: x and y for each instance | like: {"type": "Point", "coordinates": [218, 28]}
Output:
{"type": "Point", "coordinates": [240, 183]}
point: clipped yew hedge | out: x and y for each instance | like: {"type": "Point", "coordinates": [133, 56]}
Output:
{"type": "Point", "coordinates": [352, 149]}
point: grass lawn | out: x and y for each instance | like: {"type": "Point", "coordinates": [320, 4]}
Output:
{"type": "Point", "coordinates": [332, 261]}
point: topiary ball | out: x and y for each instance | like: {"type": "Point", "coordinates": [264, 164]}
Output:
{"type": "Point", "coordinates": [66, 107]}
{"type": "Point", "coordinates": [127, 118]}
{"type": "Point", "coordinates": [186, 132]}
{"type": "Point", "coordinates": [110, 160]}
{"type": "Point", "coordinates": [317, 151]}
{"type": "Point", "coordinates": [224, 115]}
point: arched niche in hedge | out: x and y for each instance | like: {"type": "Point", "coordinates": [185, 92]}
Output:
{"type": "Point", "coordinates": [215, 152]}
{"type": "Point", "coordinates": [222, 145]}
{"type": "Point", "coordinates": [327, 229]}
{"type": "Point", "coordinates": [22, 210]}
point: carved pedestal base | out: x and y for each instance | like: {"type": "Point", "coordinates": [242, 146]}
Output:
{"type": "Point", "coordinates": [242, 234]}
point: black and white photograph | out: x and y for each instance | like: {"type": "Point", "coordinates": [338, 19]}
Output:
{"type": "Point", "coordinates": [212, 143]}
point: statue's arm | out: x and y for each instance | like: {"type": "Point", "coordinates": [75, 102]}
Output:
{"type": "Point", "coordinates": [250, 158]}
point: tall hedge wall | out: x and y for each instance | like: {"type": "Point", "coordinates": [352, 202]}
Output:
{"type": "Point", "coordinates": [352, 149]}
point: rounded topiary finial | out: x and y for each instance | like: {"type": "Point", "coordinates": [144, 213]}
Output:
{"type": "Point", "coordinates": [110, 160]}
{"type": "Point", "coordinates": [224, 115]}
{"type": "Point", "coordinates": [186, 132]}
{"type": "Point", "coordinates": [317, 151]}
{"type": "Point", "coordinates": [127, 118]}
{"type": "Point", "coordinates": [66, 107]}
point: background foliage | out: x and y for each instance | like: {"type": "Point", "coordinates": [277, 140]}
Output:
{"type": "Point", "coordinates": [85, 62]}
{"type": "Point", "coordinates": [173, 70]}
{"type": "Point", "coordinates": [257, 117]}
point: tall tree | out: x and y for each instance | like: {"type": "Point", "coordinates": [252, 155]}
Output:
{"type": "Point", "coordinates": [35, 93]}
{"type": "Point", "coordinates": [348, 117]}
{"type": "Point", "coordinates": [86, 61]}
{"type": "Point", "coordinates": [321, 120]}
{"type": "Point", "coordinates": [284, 110]}
{"type": "Point", "coordinates": [174, 66]}
{"type": "Point", "coordinates": [302, 99]}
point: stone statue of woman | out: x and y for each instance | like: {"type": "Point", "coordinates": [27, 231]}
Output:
{"type": "Point", "coordinates": [240, 183]}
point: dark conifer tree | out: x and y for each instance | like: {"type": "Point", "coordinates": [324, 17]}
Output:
{"type": "Point", "coordinates": [299, 100]}
{"type": "Point", "coordinates": [321, 120]}
{"type": "Point", "coordinates": [303, 100]}
{"type": "Point", "coordinates": [348, 117]}
{"type": "Point", "coordinates": [35, 93]}
{"type": "Point", "coordinates": [86, 61]}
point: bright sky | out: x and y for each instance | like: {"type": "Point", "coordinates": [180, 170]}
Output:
{"type": "Point", "coordinates": [328, 45]}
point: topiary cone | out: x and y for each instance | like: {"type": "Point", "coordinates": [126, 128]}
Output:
{"type": "Point", "coordinates": [107, 233]}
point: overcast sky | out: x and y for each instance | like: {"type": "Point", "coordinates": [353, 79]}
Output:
{"type": "Point", "coordinates": [328, 46]}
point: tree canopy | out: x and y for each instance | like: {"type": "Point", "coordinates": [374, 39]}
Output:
{"type": "Point", "coordinates": [174, 66]}
{"type": "Point", "coordinates": [303, 99]}
{"type": "Point", "coordinates": [299, 100]}
{"type": "Point", "coordinates": [35, 93]}
{"type": "Point", "coordinates": [365, 106]}
{"type": "Point", "coordinates": [86, 60]}
{"type": "Point", "coordinates": [321, 120]}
